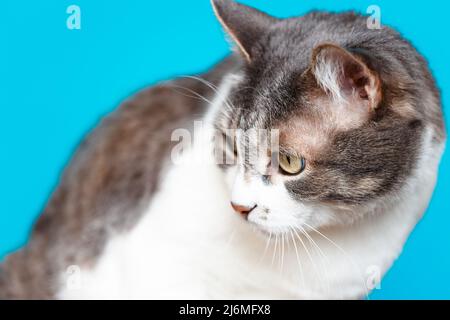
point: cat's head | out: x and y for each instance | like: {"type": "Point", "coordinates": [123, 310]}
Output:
{"type": "Point", "coordinates": [325, 99]}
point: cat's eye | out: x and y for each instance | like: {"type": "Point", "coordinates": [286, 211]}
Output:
{"type": "Point", "coordinates": [290, 164]}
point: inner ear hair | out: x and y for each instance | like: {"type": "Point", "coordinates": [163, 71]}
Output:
{"type": "Point", "coordinates": [345, 75]}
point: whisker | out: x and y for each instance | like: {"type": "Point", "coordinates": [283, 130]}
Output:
{"type": "Point", "coordinates": [346, 255]}
{"type": "Point", "coordinates": [321, 255]}
{"type": "Point", "coordinates": [193, 92]}
{"type": "Point", "coordinates": [298, 259]}
{"type": "Point", "coordinates": [213, 87]}
{"type": "Point", "coordinates": [275, 249]}
{"type": "Point", "coordinates": [266, 247]}
{"type": "Point", "coordinates": [282, 252]}
{"type": "Point", "coordinates": [316, 269]}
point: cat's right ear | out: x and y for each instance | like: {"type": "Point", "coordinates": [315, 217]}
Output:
{"type": "Point", "coordinates": [345, 75]}
{"type": "Point", "coordinates": [243, 24]}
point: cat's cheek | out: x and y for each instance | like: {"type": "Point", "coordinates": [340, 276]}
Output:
{"type": "Point", "coordinates": [230, 174]}
{"type": "Point", "coordinates": [277, 211]}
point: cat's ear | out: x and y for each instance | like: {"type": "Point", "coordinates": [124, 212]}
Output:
{"type": "Point", "coordinates": [345, 75]}
{"type": "Point", "coordinates": [244, 24]}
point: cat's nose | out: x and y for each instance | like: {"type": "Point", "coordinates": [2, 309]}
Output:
{"type": "Point", "coordinates": [243, 210]}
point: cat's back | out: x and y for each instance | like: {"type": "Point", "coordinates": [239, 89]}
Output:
{"type": "Point", "coordinates": [108, 183]}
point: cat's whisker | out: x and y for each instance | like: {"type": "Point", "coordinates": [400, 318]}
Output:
{"type": "Point", "coordinates": [231, 107]}
{"type": "Point", "coordinates": [346, 255]}
{"type": "Point", "coordinates": [275, 249]}
{"type": "Point", "coordinates": [302, 279]}
{"type": "Point", "coordinates": [282, 253]}
{"type": "Point", "coordinates": [214, 88]}
{"type": "Point", "coordinates": [266, 247]}
{"type": "Point", "coordinates": [187, 95]}
{"type": "Point", "coordinates": [200, 97]}
{"type": "Point", "coordinates": [316, 269]}
{"type": "Point", "coordinates": [204, 81]}
{"type": "Point", "coordinates": [323, 257]}
{"type": "Point", "coordinates": [193, 92]}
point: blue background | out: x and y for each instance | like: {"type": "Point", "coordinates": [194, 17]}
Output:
{"type": "Point", "coordinates": [56, 83]}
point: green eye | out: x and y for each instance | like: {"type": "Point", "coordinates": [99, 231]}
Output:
{"type": "Point", "coordinates": [291, 164]}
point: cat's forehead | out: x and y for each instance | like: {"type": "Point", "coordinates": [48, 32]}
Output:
{"type": "Point", "coordinates": [264, 95]}
{"type": "Point", "coordinates": [306, 119]}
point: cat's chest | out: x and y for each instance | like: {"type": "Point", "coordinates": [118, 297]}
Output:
{"type": "Point", "coordinates": [188, 244]}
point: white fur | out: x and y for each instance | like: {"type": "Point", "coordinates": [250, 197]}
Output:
{"type": "Point", "coordinates": [328, 74]}
{"type": "Point", "coordinates": [191, 245]}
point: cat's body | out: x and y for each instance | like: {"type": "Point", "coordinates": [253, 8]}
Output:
{"type": "Point", "coordinates": [105, 191]}
{"type": "Point", "coordinates": [132, 234]}
{"type": "Point", "coordinates": [196, 247]}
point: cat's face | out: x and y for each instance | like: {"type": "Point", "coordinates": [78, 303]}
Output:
{"type": "Point", "coordinates": [329, 145]}
{"type": "Point", "coordinates": [298, 168]}
{"type": "Point", "coordinates": [262, 187]}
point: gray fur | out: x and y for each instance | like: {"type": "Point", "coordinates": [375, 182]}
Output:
{"type": "Point", "coordinates": [117, 168]}
{"type": "Point", "coordinates": [357, 165]}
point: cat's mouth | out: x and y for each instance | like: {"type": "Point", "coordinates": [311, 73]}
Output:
{"type": "Point", "coordinates": [259, 218]}
{"type": "Point", "coordinates": [265, 228]}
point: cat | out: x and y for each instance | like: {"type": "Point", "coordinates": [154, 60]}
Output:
{"type": "Point", "coordinates": [358, 123]}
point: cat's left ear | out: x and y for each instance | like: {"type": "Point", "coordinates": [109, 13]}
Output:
{"type": "Point", "coordinates": [345, 75]}
{"type": "Point", "coordinates": [244, 24]}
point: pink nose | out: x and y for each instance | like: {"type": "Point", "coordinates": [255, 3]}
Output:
{"type": "Point", "coordinates": [243, 210]}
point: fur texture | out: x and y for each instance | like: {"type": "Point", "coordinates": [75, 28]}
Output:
{"type": "Point", "coordinates": [359, 105]}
